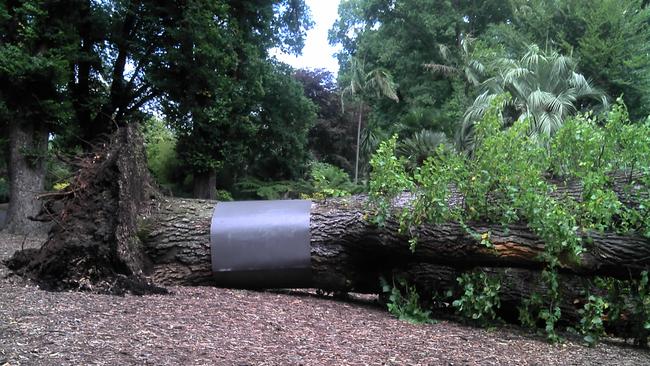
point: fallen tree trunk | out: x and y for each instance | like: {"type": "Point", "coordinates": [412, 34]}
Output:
{"type": "Point", "coordinates": [348, 252]}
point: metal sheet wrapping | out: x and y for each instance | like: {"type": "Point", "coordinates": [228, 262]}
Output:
{"type": "Point", "coordinates": [257, 244]}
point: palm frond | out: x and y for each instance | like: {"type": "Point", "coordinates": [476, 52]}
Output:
{"type": "Point", "coordinates": [421, 145]}
{"type": "Point", "coordinates": [466, 44]}
{"type": "Point", "coordinates": [545, 88]}
{"type": "Point", "coordinates": [478, 107]}
{"type": "Point", "coordinates": [444, 51]}
{"type": "Point", "coordinates": [381, 81]}
{"type": "Point", "coordinates": [441, 69]}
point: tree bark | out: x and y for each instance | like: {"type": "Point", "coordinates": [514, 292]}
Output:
{"type": "Point", "coordinates": [205, 185]}
{"type": "Point", "coordinates": [27, 168]}
{"type": "Point", "coordinates": [349, 253]}
{"type": "Point", "coordinates": [356, 159]}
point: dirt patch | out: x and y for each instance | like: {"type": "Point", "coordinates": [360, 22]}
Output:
{"type": "Point", "coordinates": [212, 326]}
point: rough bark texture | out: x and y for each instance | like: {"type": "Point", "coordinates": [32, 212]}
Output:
{"type": "Point", "coordinates": [27, 149]}
{"type": "Point", "coordinates": [205, 185]}
{"type": "Point", "coordinates": [350, 253]}
{"type": "Point", "coordinates": [177, 239]}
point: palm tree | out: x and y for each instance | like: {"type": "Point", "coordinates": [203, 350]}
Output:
{"type": "Point", "coordinates": [464, 64]}
{"type": "Point", "coordinates": [545, 88]}
{"type": "Point", "coordinates": [378, 82]}
{"type": "Point", "coordinates": [421, 145]}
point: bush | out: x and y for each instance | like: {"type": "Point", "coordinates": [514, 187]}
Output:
{"type": "Point", "coordinates": [324, 180]}
{"type": "Point", "coordinates": [274, 190]}
{"type": "Point", "coordinates": [404, 302]}
{"type": "Point", "coordinates": [328, 180]}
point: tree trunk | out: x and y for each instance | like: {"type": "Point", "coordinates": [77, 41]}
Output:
{"type": "Point", "coordinates": [27, 169]}
{"type": "Point", "coordinates": [356, 160]}
{"type": "Point", "coordinates": [350, 253]}
{"type": "Point", "coordinates": [205, 185]}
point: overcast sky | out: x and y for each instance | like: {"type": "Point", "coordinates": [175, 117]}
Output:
{"type": "Point", "coordinates": [317, 52]}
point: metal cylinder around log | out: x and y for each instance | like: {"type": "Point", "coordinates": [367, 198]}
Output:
{"type": "Point", "coordinates": [261, 244]}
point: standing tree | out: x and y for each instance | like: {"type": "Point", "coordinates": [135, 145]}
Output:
{"type": "Point", "coordinates": [402, 36]}
{"type": "Point", "coordinates": [378, 83]}
{"type": "Point", "coordinates": [194, 75]}
{"type": "Point", "coordinates": [74, 68]}
{"type": "Point", "coordinates": [463, 64]}
{"type": "Point", "coordinates": [213, 73]}
{"type": "Point", "coordinates": [332, 134]}
{"type": "Point", "coordinates": [284, 119]}
{"type": "Point", "coordinates": [34, 66]}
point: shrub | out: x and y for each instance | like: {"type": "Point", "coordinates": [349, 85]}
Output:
{"type": "Point", "coordinates": [405, 305]}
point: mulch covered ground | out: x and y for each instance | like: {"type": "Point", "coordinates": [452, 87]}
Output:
{"type": "Point", "coordinates": [211, 326]}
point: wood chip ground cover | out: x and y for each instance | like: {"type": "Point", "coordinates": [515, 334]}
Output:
{"type": "Point", "coordinates": [212, 326]}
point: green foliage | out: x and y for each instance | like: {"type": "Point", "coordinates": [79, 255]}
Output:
{"type": "Point", "coordinates": [279, 148]}
{"type": "Point", "coordinates": [323, 181]}
{"type": "Point", "coordinates": [271, 190]}
{"type": "Point", "coordinates": [421, 145]}
{"type": "Point", "coordinates": [404, 302]}
{"type": "Point", "coordinates": [591, 319]}
{"type": "Point", "coordinates": [609, 37]}
{"type": "Point", "coordinates": [505, 180]}
{"type": "Point", "coordinates": [543, 309]}
{"type": "Point", "coordinates": [160, 144]}
{"type": "Point", "coordinates": [223, 195]}
{"type": "Point", "coordinates": [388, 179]}
{"type": "Point", "coordinates": [82, 68]}
{"type": "Point", "coordinates": [375, 32]}
{"type": "Point", "coordinates": [628, 301]}
{"type": "Point", "coordinates": [545, 87]}
{"type": "Point", "coordinates": [480, 297]}
{"type": "Point", "coordinates": [330, 181]}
